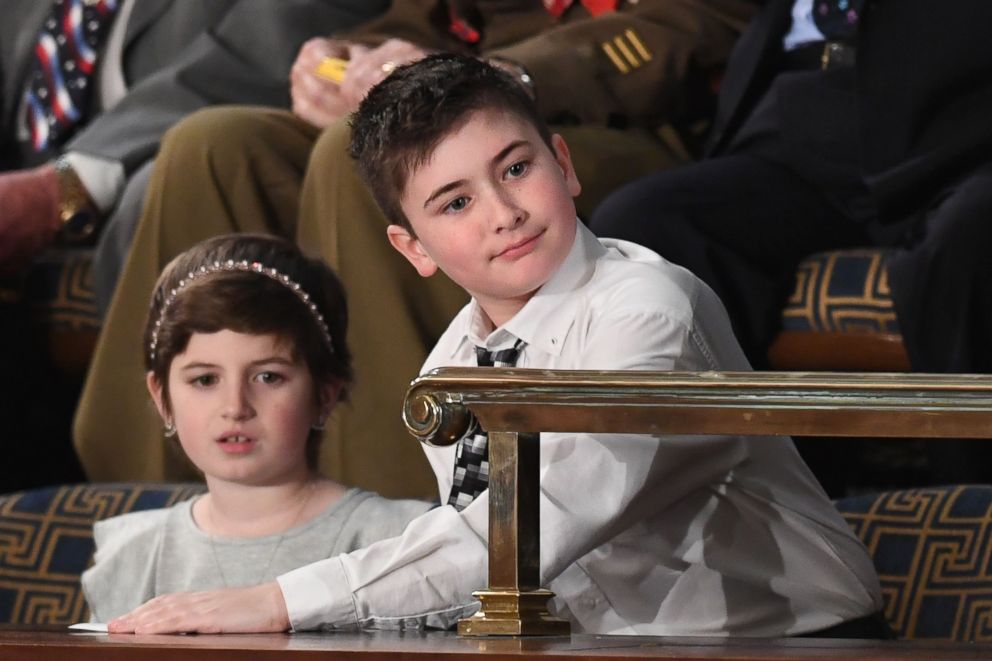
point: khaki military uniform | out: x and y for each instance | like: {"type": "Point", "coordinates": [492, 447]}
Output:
{"type": "Point", "coordinates": [606, 83]}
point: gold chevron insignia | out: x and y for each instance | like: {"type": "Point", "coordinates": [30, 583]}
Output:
{"type": "Point", "coordinates": [626, 51]}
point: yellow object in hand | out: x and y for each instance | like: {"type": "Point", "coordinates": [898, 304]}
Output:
{"type": "Point", "coordinates": [332, 68]}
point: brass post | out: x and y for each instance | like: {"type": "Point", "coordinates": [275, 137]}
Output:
{"type": "Point", "coordinates": [514, 604]}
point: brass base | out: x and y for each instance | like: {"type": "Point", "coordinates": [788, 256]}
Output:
{"type": "Point", "coordinates": [512, 613]}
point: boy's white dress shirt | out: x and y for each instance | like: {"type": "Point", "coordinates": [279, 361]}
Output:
{"type": "Point", "coordinates": [656, 535]}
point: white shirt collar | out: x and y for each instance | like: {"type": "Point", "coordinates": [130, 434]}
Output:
{"type": "Point", "coordinates": [545, 320]}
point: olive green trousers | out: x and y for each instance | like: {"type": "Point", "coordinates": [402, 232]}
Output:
{"type": "Point", "coordinates": [234, 169]}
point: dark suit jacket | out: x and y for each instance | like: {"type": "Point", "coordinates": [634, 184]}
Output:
{"type": "Point", "coordinates": [178, 56]}
{"type": "Point", "coordinates": [924, 91]}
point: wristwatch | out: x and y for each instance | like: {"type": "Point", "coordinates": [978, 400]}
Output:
{"type": "Point", "coordinates": [77, 213]}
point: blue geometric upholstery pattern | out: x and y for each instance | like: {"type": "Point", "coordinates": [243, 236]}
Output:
{"type": "Point", "coordinates": [56, 296]}
{"type": "Point", "coordinates": [842, 291]}
{"type": "Point", "coordinates": [46, 541]}
{"type": "Point", "coordinates": [932, 549]}
{"type": "Point", "coordinates": [60, 289]}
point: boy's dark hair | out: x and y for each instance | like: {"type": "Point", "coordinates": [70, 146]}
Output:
{"type": "Point", "coordinates": [403, 119]}
{"type": "Point", "coordinates": [248, 302]}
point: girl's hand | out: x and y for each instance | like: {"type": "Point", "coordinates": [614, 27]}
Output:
{"type": "Point", "coordinates": [256, 609]}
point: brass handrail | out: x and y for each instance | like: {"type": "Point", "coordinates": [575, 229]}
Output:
{"type": "Point", "coordinates": [515, 405]}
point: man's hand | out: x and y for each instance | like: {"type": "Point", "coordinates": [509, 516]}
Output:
{"type": "Point", "coordinates": [321, 101]}
{"type": "Point", "coordinates": [233, 610]}
{"type": "Point", "coordinates": [29, 215]}
{"type": "Point", "coordinates": [366, 67]}
{"type": "Point", "coordinates": [316, 99]}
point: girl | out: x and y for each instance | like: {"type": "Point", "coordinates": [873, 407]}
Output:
{"type": "Point", "coordinates": [246, 357]}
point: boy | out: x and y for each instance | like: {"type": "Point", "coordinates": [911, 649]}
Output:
{"type": "Point", "coordinates": [641, 534]}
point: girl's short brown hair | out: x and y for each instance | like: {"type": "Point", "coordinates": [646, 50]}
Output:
{"type": "Point", "coordinates": [251, 303]}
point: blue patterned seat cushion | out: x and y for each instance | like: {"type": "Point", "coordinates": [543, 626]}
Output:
{"type": "Point", "coordinates": [46, 542]}
{"type": "Point", "coordinates": [931, 547]}
{"type": "Point", "coordinates": [933, 553]}
{"type": "Point", "coordinates": [842, 291]}
{"type": "Point", "coordinates": [60, 289]}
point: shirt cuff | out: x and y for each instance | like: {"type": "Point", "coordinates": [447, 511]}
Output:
{"type": "Point", "coordinates": [103, 178]}
{"type": "Point", "coordinates": [317, 596]}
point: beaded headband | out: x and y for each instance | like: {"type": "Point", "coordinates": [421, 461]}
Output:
{"type": "Point", "coordinates": [246, 267]}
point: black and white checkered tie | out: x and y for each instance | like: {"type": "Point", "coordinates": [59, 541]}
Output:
{"type": "Point", "coordinates": [472, 455]}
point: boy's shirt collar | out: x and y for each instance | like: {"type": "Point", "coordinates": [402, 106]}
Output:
{"type": "Point", "coordinates": [546, 319]}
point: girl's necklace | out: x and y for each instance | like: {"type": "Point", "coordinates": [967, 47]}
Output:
{"type": "Point", "coordinates": [312, 486]}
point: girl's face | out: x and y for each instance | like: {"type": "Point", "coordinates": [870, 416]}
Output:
{"type": "Point", "coordinates": [243, 407]}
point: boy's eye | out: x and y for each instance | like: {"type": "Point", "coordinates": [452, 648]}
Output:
{"type": "Point", "coordinates": [518, 169]}
{"type": "Point", "coordinates": [456, 205]}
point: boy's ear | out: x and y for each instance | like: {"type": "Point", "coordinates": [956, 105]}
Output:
{"type": "Point", "coordinates": [564, 159]}
{"type": "Point", "coordinates": [155, 390]}
{"type": "Point", "coordinates": [410, 247]}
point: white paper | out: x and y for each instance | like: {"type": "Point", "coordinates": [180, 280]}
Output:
{"type": "Point", "coordinates": [93, 627]}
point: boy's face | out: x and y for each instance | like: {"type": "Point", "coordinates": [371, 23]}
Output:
{"type": "Point", "coordinates": [493, 209]}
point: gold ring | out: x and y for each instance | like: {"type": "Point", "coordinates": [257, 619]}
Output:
{"type": "Point", "coordinates": [388, 67]}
